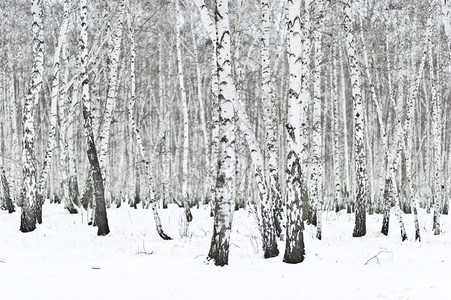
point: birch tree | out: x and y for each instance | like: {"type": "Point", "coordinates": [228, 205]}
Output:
{"type": "Point", "coordinates": [111, 91]}
{"type": "Point", "coordinates": [267, 229]}
{"type": "Point", "coordinates": [409, 131]}
{"type": "Point", "coordinates": [336, 136]}
{"type": "Point", "coordinates": [99, 192]}
{"type": "Point", "coordinates": [65, 114]}
{"type": "Point", "coordinates": [55, 93]}
{"type": "Point", "coordinates": [294, 244]}
{"type": "Point", "coordinates": [269, 118]}
{"type": "Point", "coordinates": [8, 202]}
{"type": "Point", "coordinates": [29, 189]}
{"type": "Point", "coordinates": [437, 139]}
{"type": "Point", "coordinates": [211, 30]}
{"type": "Point", "coordinates": [359, 128]}
{"type": "Point", "coordinates": [225, 184]}
{"type": "Point", "coordinates": [183, 99]}
{"type": "Point", "coordinates": [142, 152]}
{"type": "Point", "coordinates": [316, 184]}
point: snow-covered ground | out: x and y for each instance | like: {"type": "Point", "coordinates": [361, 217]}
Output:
{"type": "Point", "coordinates": [64, 259]}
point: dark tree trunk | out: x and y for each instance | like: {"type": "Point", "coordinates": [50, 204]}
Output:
{"type": "Point", "coordinates": [294, 247]}
{"type": "Point", "coordinates": [38, 208]}
{"type": "Point", "coordinates": [360, 213]}
{"type": "Point", "coordinates": [137, 198]}
{"type": "Point", "coordinates": [387, 201]}
{"type": "Point", "coordinates": [8, 201]}
{"type": "Point", "coordinates": [99, 191]}
{"type": "Point", "coordinates": [87, 195]}
{"type": "Point", "coordinates": [269, 240]}
{"type": "Point", "coordinates": [73, 190]}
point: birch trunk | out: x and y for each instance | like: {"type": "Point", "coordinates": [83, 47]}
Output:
{"type": "Point", "coordinates": [294, 247]}
{"type": "Point", "coordinates": [211, 30]}
{"type": "Point", "coordinates": [436, 137]}
{"type": "Point", "coordinates": [336, 135]}
{"type": "Point", "coordinates": [142, 152]}
{"type": "Point", "coordinates": [185, 196]}
{"type": "Point", "coordinates": [99, 192]}
{"type": "Point", "coordinates": [359, 126]}
{"type": "Point", "coordinates": [271, 222]}
{"type": "Point", "coordinates": [316, 176]}
{"type": "Point", "coordinates": [347, 189]}
{"type": "Point", "coordinates": [111, 92]}
{"type": "Point", "coordinates": [374, 98]}
{"type": "Point", "coordinates": [30, 202]}
{"type": "Point", "coordinates": [9, 205]}
{"type": "Point", "coordinates": [200, 100]}
{"type": "Point", "coordinates": [64, 112]}
{"type": "Point", "coordinates": [51, 140]}
{"type": "Point", "coordinates": [408, 132]}
{"type": "Point", "coordinates": [219, 249]}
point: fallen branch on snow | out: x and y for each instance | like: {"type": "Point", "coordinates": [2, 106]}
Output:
{"type": "Point", "coordinates": [376, 257]}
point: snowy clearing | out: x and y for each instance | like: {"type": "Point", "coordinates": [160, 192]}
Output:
{"type": "Point", "coordinates": [64, 259]}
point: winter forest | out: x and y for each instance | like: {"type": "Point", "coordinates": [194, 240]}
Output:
{"type": "Point", "coordinates": [297, 144]}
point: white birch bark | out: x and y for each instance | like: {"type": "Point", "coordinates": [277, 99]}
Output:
{"type": "Point", "coordinates": [211, 30]}
{"type": "Point", "coordinates": [374, 99]}
{"type": "Point", "coordinates": [219, 249]}
{"type": "Point", "coordinates": [203, 122]}
{"type": "Point", "coordinates": [164, 132]}
{"type": "Point", "coordinates": [409, 133]}
{"type": "Point", "coordinates": [63, 109]}
{"type": "Point", "coordinates": [336, 130]}
{"type": "Point", "coordinates": [111, 92]}
{"type": "Point", "coordinates": [436, 137]}
{"type": "Point", "coordinates": [142, 151]}
{"type": "Point", "coordinates": [294, 249]}
{"type": "Point", "coordinates": [359, 126]}
{"type": "Point", "coordinates": [347, 180]}
{"type": "Point", "coordinates": [269, 218]}
{"type": "Point", "coordinates": [51, 140]}
{"type": "Point", "coordinates": [183, 99]}
{"type": "Point", "coordinates": [29, 190]}
{"type": "Point", "coordinates": [98, 188]}
{"type": "Point", "coordinates": [388, 181]}
{"type": "Point", "coordinates": [258, 167]}
{"type": "Point", "coordinates": [392, 162]}
{"type": "Point", "coordinates": [316, 176]}
{"type": "Point", "coordinates": [15, 175]}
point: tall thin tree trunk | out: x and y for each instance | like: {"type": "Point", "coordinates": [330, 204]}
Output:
{"type": "Point", "coordinates": [408, 132]}
{"type": "Point", "coordinates": [269, 119]}
{"type": "Point", "coordinates": [294, 245]}
{"type": "Point", "coordinates": [51, 140]}
{"type": "Point", "coordinates": [64, 114]}
{"type": "Point", "coordinates": [30, 201]}
{"type": "Point", "coordinates": [347, 189]}
{"type": "Point", "coordinates": [200, 100]}
{"type": "Point", "coordinates": [338, 197]}
{"type": "Point", "coordinates": [99, 192]}
{"type": "Point", "coordinates": [316, 180]}
{"type": "Point", "coordinates": [225, 184]}
{"type": "Point", "coordinates": [437, 138]}
{"type": "Point", "coordinates": [183, 99]}
{"type": "Point", "coordinates": [7, 196]}
{"type": "Point", "coordinates": [142, 152]}
{"type": "Point", "coordinates": [359, 126]}
{"type": "Point", "coordinates": [111, 92]}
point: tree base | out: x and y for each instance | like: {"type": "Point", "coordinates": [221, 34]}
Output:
{"type": "Point", "coordinates": [27, 223]}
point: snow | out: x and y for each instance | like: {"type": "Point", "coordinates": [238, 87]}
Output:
{"type": "Point", "coordinates": [64, 259]}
